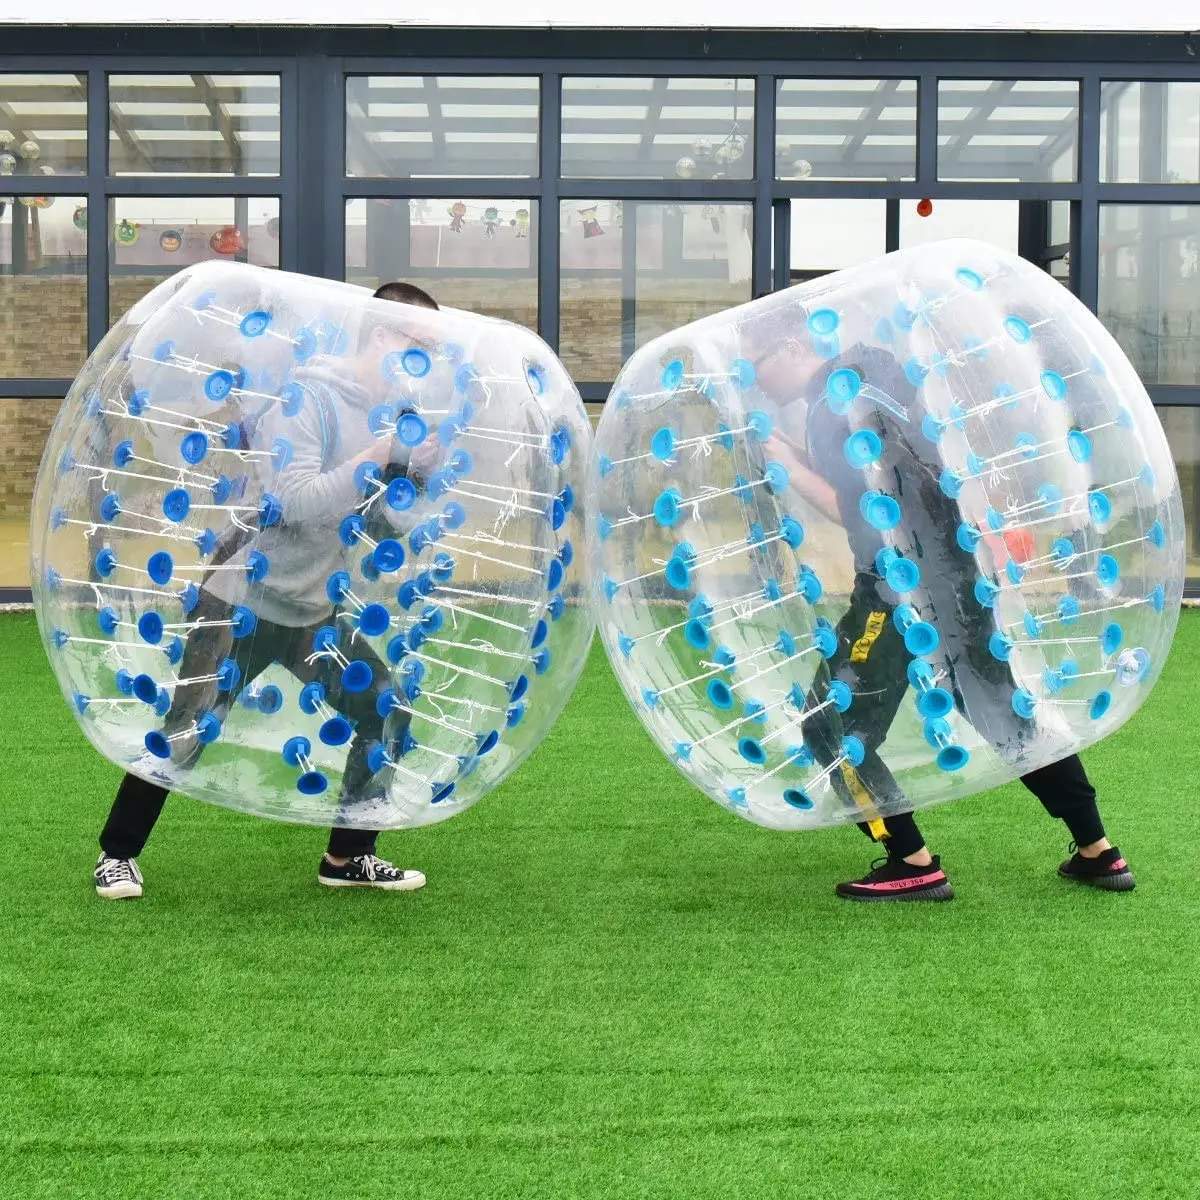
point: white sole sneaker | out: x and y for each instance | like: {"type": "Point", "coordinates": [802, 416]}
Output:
{"type": "Point", "coordinates": [128, 890]}
{"type": "Point", "coordinates": [410, 883]}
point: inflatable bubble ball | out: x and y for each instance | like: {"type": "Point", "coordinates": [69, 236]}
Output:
{"type": "Point", "coordinates": [313, 555]}
{"type": "Point", "coordinates": [884, 539]}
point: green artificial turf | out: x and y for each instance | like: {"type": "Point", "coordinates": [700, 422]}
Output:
{"type": "Point", "coordinates": [609, 988]}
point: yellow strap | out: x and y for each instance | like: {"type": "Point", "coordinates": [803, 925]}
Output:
{"type": "Point", "coordinates": [854, 785]}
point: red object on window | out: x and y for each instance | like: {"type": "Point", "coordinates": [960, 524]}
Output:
{"type": "Point", "coordinates": [228, 240]}
{"type": "Point", "coordinates": [924, 207]}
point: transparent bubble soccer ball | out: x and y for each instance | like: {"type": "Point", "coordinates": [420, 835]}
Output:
{"type": "Point", "coordinates": [312, 555]}
{"type": "Point", "coordinates": [884, 539]}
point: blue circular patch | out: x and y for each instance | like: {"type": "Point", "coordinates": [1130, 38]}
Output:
{"type": "Point", "coordinates": [843, 386]}
{"type": "Point", "coordinates": [936, 702]}
{"type": "Point", "coordinates": [416, 363]}
{"type": "Point", "coordinates": [255, 324]}
{"type": "Point", "coordinates": [160, 567]}
{"type": "Point", "coordinates": [1000, 646]}
{"type": "Point", "coordinates": [1099, 507]}
{"type": "Point", "coordinates": [218, 385]}
{"type": "Point", "coordinates": [662, 444]}
{"type": "Point", "coordinates": [1054, 385]}
{"type": "Point", "coordinates": [902, 575]}
{"type": "Point", "coordinates": [176, 504]}
{"type": "Point", "coordinates": [823, 321]}
{"type": "Point", "coordinates": [863, 448]}
{"type": "Point", "coordinates": [1111, 638]}
{"type": "Point", "coordinates": [358, 676]}
{"type": "Point", "coordinates": [1080, 445]}
{"type": "Point", "coordinates": [751, 750]}
{"type": "Point", "coordinates": [953, 758]}
{"type": "Point", "coordinates": [194, 447]}
{"type": "Point", "coordinates": [921, 638]}
{"type": "Point", "coordinates": [401, 494]}
{"type": "Point", "coordinates": [882, 512]}
{"type": "Point", "coordinates": [411, 429]}
{"type": "Point", "coordinates": [666, 507]}
{"type": "Point", "coordinates": [374, 620]}
{"type": "Point", "coordinates": [1018, 330]}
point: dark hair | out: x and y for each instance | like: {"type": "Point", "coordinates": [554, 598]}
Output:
{"type": "Point", "coordinates": [405, 293]}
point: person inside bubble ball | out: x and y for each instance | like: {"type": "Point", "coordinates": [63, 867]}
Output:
{"type": "Point", "coordinates": [809, 438]}
{"type": "Point", "coordinates": [331, 439]}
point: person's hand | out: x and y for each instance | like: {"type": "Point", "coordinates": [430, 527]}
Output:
{"type": "Point", "coordinates": [425, 456]}
{"type": "Point", "coordinates": [378, 452]}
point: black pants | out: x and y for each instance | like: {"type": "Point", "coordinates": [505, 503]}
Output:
{"type": "Point", "coordinates": [872, 659]}
{"type": "Point", "coordinates": [138, 803]}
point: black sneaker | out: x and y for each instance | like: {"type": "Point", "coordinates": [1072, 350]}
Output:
{"type": "Point", "coordinates": [117, 878]}
{"type": "Point", "coordinates": [894, 879]}
{"type": "Point", "coordinates": [369, 870]}
{"type": "Point", "coordinates": [1108, 870]}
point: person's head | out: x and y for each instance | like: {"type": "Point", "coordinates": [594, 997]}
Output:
{"type": "Point", "coordinates": [380, 336]}
{"type": "Point", "coordinates": [405, 293]}
{"type": "Point", "coordinates": [784, 361]}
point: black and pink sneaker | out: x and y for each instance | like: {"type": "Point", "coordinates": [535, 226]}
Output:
{"type": "Point", "coordinates": [894, 879]}
{"type": "Point", "coordinates": [1108, 870]}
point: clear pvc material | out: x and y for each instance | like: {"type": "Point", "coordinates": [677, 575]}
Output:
{"type": "Point", "coordinates": [884, 539]}
{"type": "Point", "coordinates": [313, 555]}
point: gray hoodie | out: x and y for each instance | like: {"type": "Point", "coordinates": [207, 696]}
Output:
{"type": "Point", "coordinates": [316, 491]}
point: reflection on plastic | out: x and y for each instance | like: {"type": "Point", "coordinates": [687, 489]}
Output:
{"type": "Point", "coordinates": [884, 539]}
{"type": "Point", "coordinates": [312, 555]}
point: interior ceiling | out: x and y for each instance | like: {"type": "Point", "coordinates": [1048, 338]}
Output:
{"type": "Point", "coordinates": [610, 127]}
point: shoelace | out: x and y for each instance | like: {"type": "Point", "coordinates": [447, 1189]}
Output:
{"type": "Point", "coordinates": [880, 864]}
{"type": "Point", "coordinates": [374, 866]}
{"type": "Point", "coordinates": [117, 870]}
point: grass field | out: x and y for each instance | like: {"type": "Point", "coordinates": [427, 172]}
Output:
{"type": "Point", "coordinates": [610, 988]}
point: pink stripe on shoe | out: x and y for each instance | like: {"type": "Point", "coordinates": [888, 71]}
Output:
{"type": "Point", "coordinates": [1119, 865]}
{"type": "Point", "coordinates": [900, 885]}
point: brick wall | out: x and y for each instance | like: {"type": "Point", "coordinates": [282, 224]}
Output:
{"type": "Point", "coordinates": [44, 322]}
{"type": "Point", "coordinates": [125, 291]}
{"type": "Point", "coordinates": [24, 427]}
{"type": "Point", "coordinates": [43, 326]}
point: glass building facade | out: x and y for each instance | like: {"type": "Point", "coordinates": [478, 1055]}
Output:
{"type": "Point", "coordinates": [598, 186]}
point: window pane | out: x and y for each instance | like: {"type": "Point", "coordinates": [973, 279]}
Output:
{"type": "Point", "coordinates": [43, 124]}
{"type": "Point", "coordinates": [1007, 130]}
{"type": "Point", "coordinates": [1150, 132]}
{"type": "Point", "coordinates": [644, 128]}
{"type": "Point", "coordinates": [1059, 231]}
{"type": "Point", "coordinates": [193, 124]}
{"type": "Point", "coordinates": [24, 427]}
{"type": "Point", "coordinates": [1149, 280]}
{"type": "Point", "coordinates": [828, 235]}
{"type": "Point", "coordinates": [1182, 427]}
{"type": "Point", "coordinates": [846, 129]}
{"type": "Point", "coordinates": [993, 221]}
{"type": "Point", "coordinates": [633, 270]}
{"type": "Point", "coordinates": [150, 239]}
{"type": "Point", "coordinates": [479, 255]}
{"type": "Point", "coordinates": [442, 126]}
{"type": "Point", "coordinates": [43, 287]}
